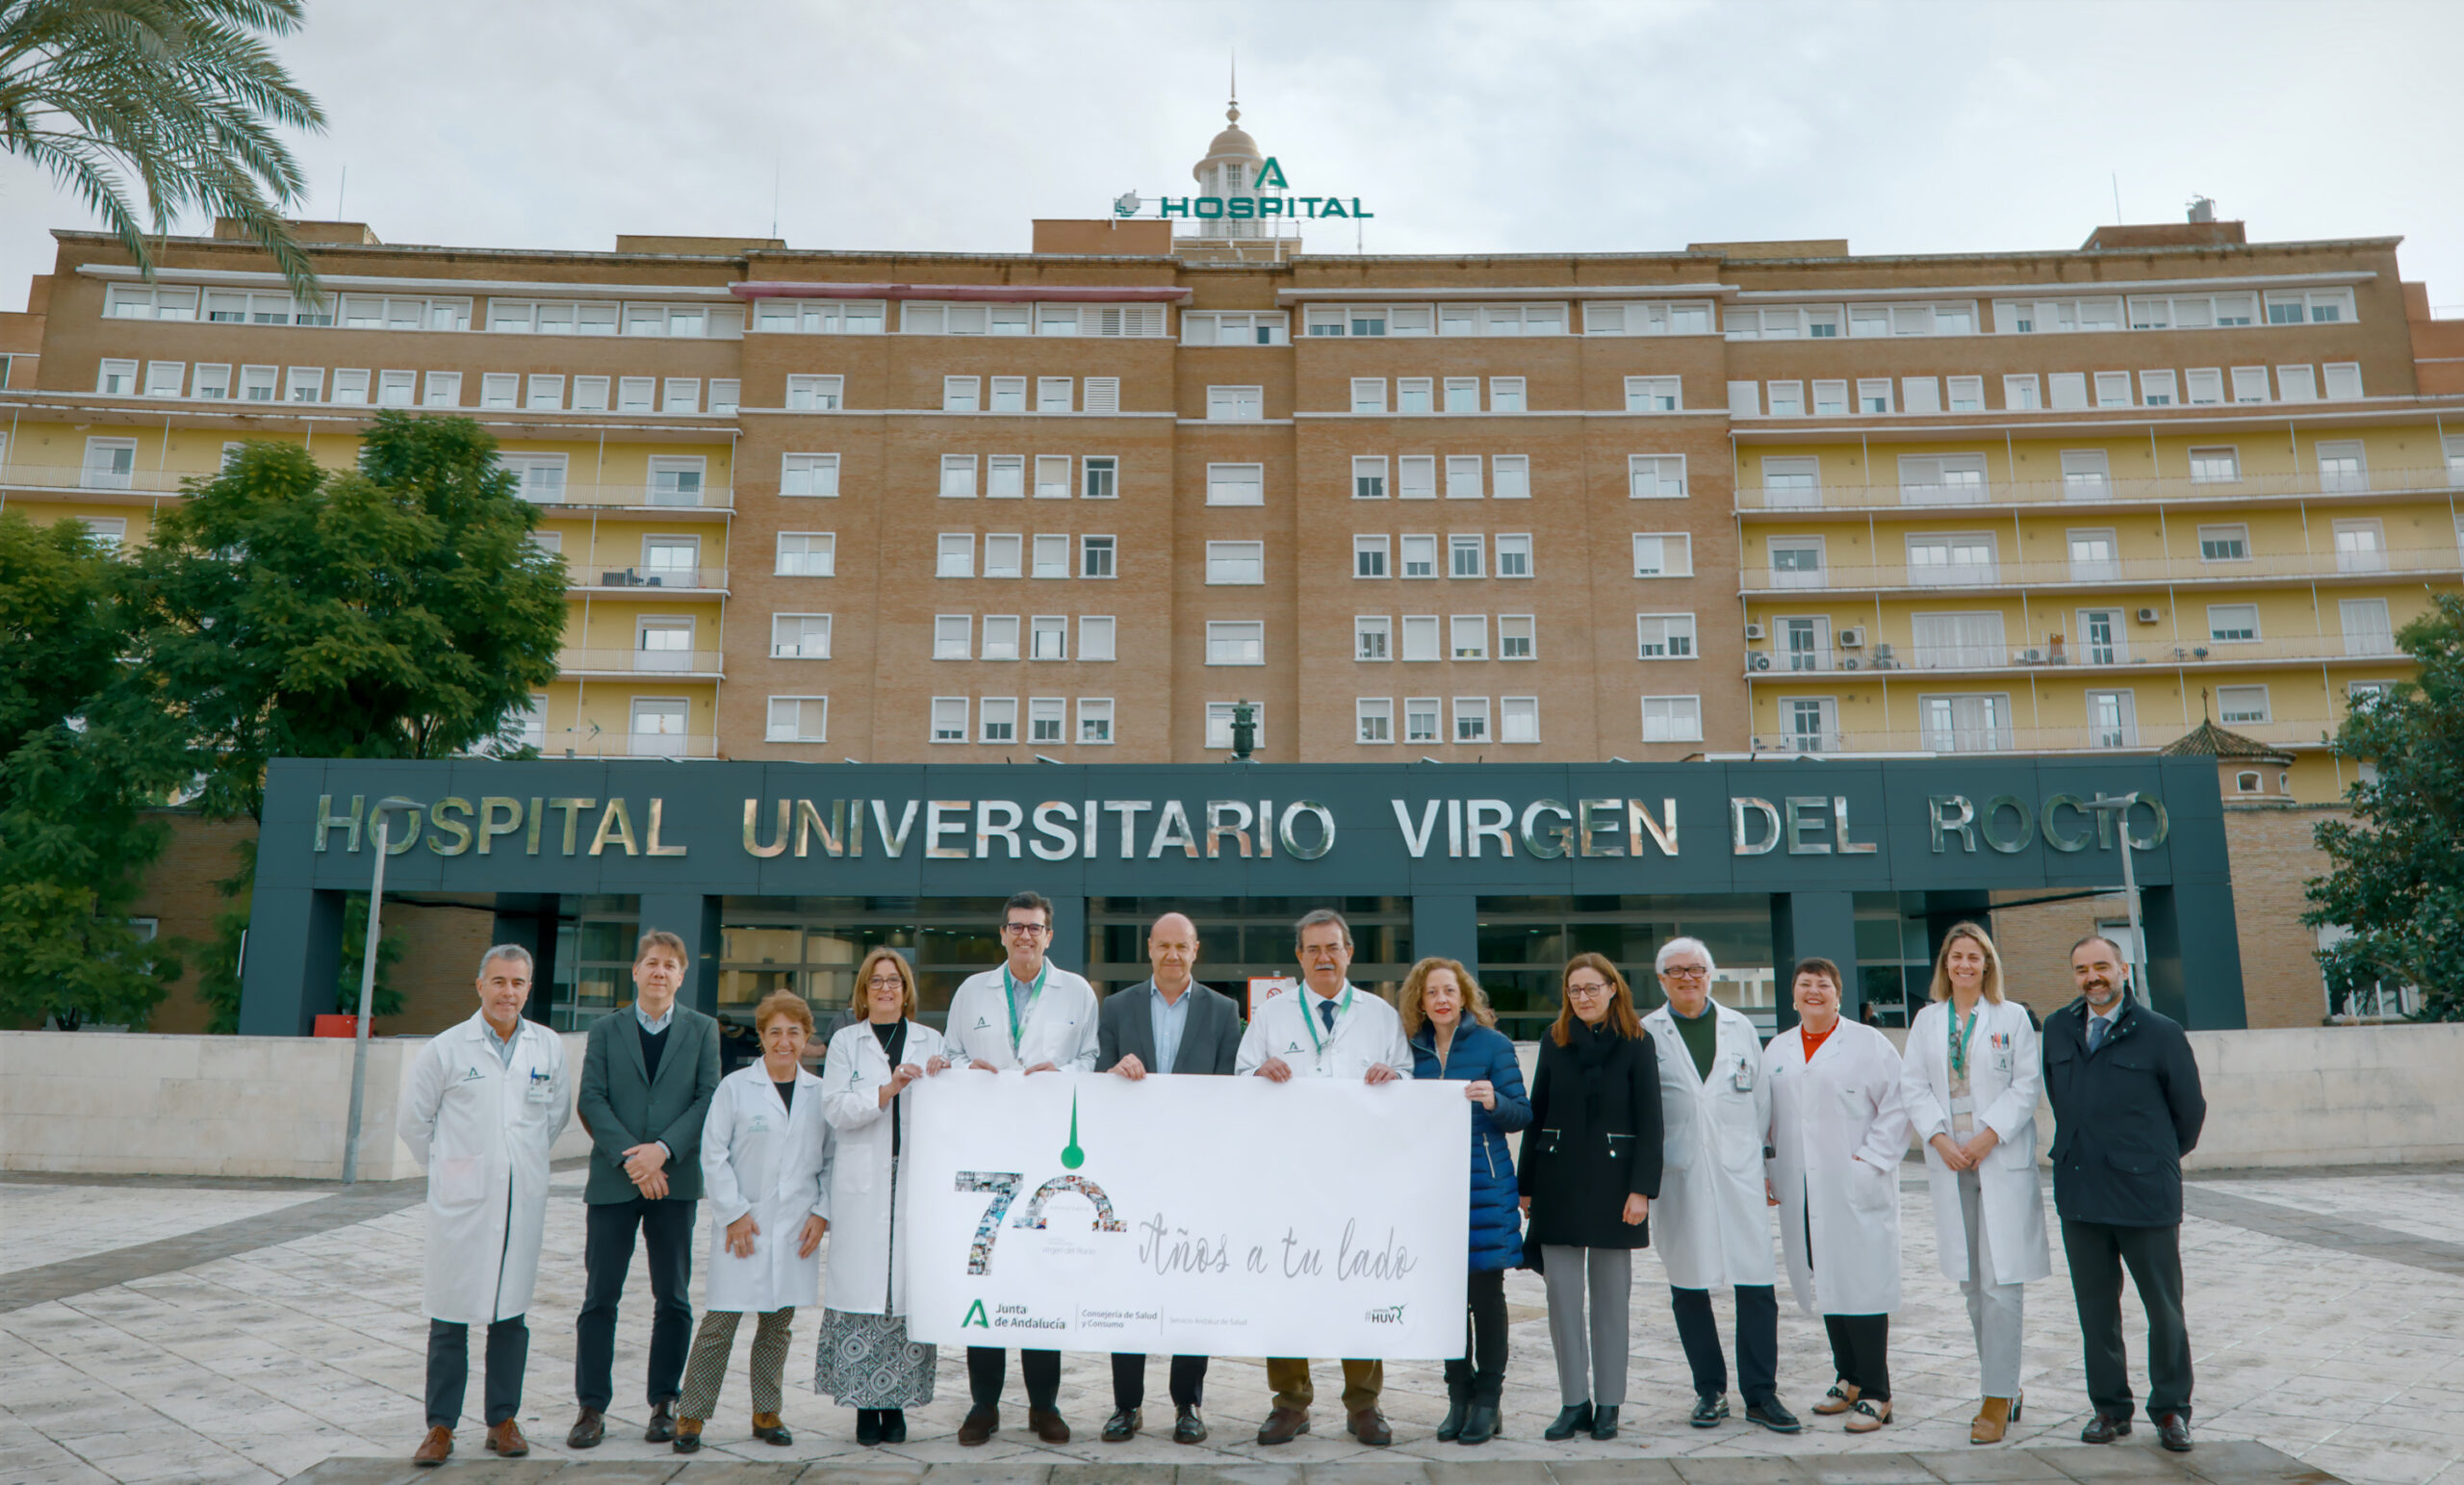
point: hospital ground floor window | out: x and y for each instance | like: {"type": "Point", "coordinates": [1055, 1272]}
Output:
{"type": "Point", "coordinates": [1245, 938]}
{"type": "Point", "coordinates": [812, 946]}
{"type": "Point", "coordinates": [594, 969]}
{"type": "Point", "coordinates": [1525, 941]}
{"type": "Point", "coordinates": [1895, 969]}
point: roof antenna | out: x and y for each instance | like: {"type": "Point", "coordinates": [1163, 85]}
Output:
{"type": "Point", "coordinates": [774, 197]}
{"type": "Point", "coordinates": [342, 194]}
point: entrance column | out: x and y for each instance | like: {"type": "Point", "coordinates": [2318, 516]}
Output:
{"type": "Point", "coordinates": [1815, 924]}
{"type": "Point", "coordinates": [693, 917]}
{"type": "Point", "coordinates": [2194, 955]}
{"type": "Point", "coordinates": [294, 953]}
{"type": "Point", "coordinates": [530, 919]}
{"type": "Point", "coordinates": [1067, 946]}
{"type": "Point", "coordinates": [1447, 928]}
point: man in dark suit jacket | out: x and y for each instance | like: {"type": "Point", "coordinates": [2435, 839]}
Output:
{"type": "Point", "coordinates": [1170, 1024]}
{"type": "Point", "coordinates": [647, 1077]}
{"type": "Point", "coordinates": [2127, 1106]}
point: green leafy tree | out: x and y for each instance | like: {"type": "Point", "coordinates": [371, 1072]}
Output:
{"type": "Point", "coordinates": [2398, 866]}
{"type": "Point", "coordinates": [85, 751]}
{"type": "Point", "coordinates": [184, 96]}
{"type": "Point", "coordinates": [394, 611]}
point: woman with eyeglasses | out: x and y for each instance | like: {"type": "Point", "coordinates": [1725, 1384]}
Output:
{"type": "Point", "coordinates": [1591, 1165]}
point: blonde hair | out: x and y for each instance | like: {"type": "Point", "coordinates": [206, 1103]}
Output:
{"type": "Point", "coordinates": [862, 1002]}
{"type": "Point", "coordinates": [1992, 978]}
{"type": "Point", "coordinates": [1476, 1000]}
{"type": "Point", "coordinates": [781, 1002]}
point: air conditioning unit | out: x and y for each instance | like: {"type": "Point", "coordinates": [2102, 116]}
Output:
{"type": "Point", "coordinates": [1852, 637]}
{"type": "Point", "coordinates": [1753, 632]}
{"type": "Point", "coordinates": [1849, 663]}
{"type": "Point", "coordinates": [2147, 616]}
{"type": "Point", "coordinates": [1758, 659]}
{"type": "Point", "coordinates": [2032, 657]}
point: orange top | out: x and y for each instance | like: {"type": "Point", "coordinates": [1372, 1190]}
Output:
{"type": "Point", "coordinates": [1813, 1044]}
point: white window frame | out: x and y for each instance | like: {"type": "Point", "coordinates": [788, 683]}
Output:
{"type": "Point", "coordinates": [1098, 635]}
{"type": "Point", "coordinates": [1654, 468]}
{"type": "Point", "coordinates": [1236, 642]}
{"type": "Point", "coordinates": [1372, 638]}
{"type": "Point", "coordinates": [1235, 403]}
{"type": "Point", "coordinates": [1518, 638]}
{"type": "Point", "coordinates": [1676, 555]}
{"type": "Point", "coordinates": [1369, 477]}
{"type": "Point", "coordinates": [2233, 706]}
{"type": "Point", "coordinates": [1236, 484]}
{"type": "Point", "coordinates": [1371, 551]}
{"type": "Point", "coordinates": [1674, 636]}
{"type": "Point", "coordinates": [1471, 722]}
{"type": "Point", "coordinates": [1236, 564]}
{"type": "Point", "coordinates": [1680, 718]}
{"type": "Point", "coordinates": [1095, 722]}
{"type": "Point", "coordinates": [950, 717]}
{"type": "Point", "coordinates": [803, 650]}
{"type": "Point", "coordinates": [816, 472]}
{"type": "Point", "coordinates": [819, 557]}
{"type": "Point", "coordinates": [1513, 549]}
{"type": "Point", "coordinates": [1373, 715]}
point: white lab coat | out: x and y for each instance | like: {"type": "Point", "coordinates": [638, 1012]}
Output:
{"type": "Point", "coordinates": [1366, 1033]}
{"type": "Point", "coordinates": [862, 1278]}
{"type": "Point", "coordinates": [1058, 1028]}
{"type": "Point", "coordinates": [1711, 1223]}
{"type": "Point", "coordinates": [2005, 1073]}
{"type": "Point", "coordinates": [772, 1160]}
{"type": "Point", "coordinates": [1840, 1129]}
{"type": "Point", "coordinates": [483, 1128]}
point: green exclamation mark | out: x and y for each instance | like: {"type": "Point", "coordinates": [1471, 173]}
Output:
{"type": "Point", "coordinates": [1072, 1157]}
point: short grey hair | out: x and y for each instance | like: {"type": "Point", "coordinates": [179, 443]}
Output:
{"type": "Point", "coordinates": [1675, 946]}
{"type": "Point", "coordinates": [505, 951]}
{"type": "Point", "coordinates": [1316, 916]}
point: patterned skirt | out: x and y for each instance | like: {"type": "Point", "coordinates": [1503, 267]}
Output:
{"type": "Point", "coordinates": [866, 1360]}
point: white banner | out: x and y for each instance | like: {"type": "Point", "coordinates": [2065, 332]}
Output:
{"type": "Point", "coordinates": [1201, 1215]}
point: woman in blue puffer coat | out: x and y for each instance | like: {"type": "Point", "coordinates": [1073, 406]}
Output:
{"type": "Point", "coordinates": [1454, 1037]}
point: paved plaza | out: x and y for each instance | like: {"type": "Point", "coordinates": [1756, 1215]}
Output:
{"type": "Point", "coordinates": [159, 1330]}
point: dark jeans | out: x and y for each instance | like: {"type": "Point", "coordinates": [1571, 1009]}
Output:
{"type": "Point", "coordinates": [1129, 1380]}
{"type": "Point", "coordinates": [1757, 1342]}
{"type": "Point", "coordinates": [2097, 1253]}
{"type": "Point", "coordinates": [1860, 1352]}
{"type": "Point", "coordinates": [988, 1371]}
{"type": "Point", "coordinates": [1478, 1375]}
{"type": "Point", "coordinates": [666, 1229]}
{"type": "Point", "coordinates": [449, 1370]}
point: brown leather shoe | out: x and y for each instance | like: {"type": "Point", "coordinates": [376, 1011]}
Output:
{"type": "Point", "coordinates": [1992, 1420]}
{"type": "Point", "coordinates": [434, 1449]}
{"type": "Point", "coordinates": [1839, 1399]}
{"type": "Point", "coordinates": [978, 1427]}
{"type": "Point", "coordinates": [587, 1430]}
{"type": "Point", "coordinates": [1048, 1426]}
{"type": "Point", "coordinates": [1283, 1426]}
{"type": "Point", "coordinates": [506, 1439]}
{"type": "Point", "coordinates": [771, 1428]}
{"type": "Point", "coordinates": [1368, 1427]}
{"type": "Point", "coordinates": [688, 1435]}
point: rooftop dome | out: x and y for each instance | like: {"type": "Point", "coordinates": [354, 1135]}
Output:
{"type": "Point", "coordinates": [1233, 139]}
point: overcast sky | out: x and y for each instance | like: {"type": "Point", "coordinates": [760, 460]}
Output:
{"type": "Point", "coordinates": [1500, 127]}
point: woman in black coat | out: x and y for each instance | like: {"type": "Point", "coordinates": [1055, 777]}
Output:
{"type": "Point", "coordinates": [1590, 1168]}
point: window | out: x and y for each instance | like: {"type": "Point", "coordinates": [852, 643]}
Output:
{"type": "Point", "coordinates": [214, 383]}
{"type": "Point", "coordinates": [1514, 557]}
{"type": "Point", "coordinates": [136, 301]}
{"type": "Point", "coordinates": [1796, 561]}
{"type": "Point", "coordinates": [664, 644]}
{"type": "Point", "coordinates": [1095, 636]}
{"type": "Point", "coordinates": [1811, 724]}
{"type": "Point", "coordinates": [1654, 394]}
{"type": "Point", "coordinates": [2342, 379]}
{"type": "Point", "coordinates": [682, 394]}
{"type": "Point", "coordinates": [1677, 319]}
{"type": "Point", "coordinates": [1419, 637]}
{"type": "Point", "coordinates": [2361, 546]}
{"type": "Point", "coordinates": [1831, 399]}
{"type": "Point", "coordinates": [1934, 560]}
{"type": "Point", "coordinates": [538, 478]}
{"type": "Point", "coordinates": [164, 378]}
{"type": "Point", "coordinates": [1096, 720]}
{"type": "Point", "coordinates": [1664, 555]}
{"type": "Point", "coordinates": [2242, 704]}
{"type": "Point", "coordinates": [1468, 636]}
{"type": "Point", "coordinates": [1052, 476]}
{"type": "Point", "coordinates": [814, 394]}
{"type": "Point", "coordinates": [1004, 554]}
{"type": "Point", "coordinates": [677, 480]}
{"type": "Point", "coordinates": [111, 464]}
{"type": "Point", "coordinates": [634, 394]}
{"type": "Point", "coordinates": [807, 554]}
{"type": "Point", "coordinates": [1420, 719]}
{"type": "Point", "coordinates": [1234, 562]}
{"type": "Point", "coordinates": [2366, 628]}
{"type": "Point", "coordinates": [2020, 394]}
{"type": "Point", "coordinates": [2249, 384]}
{"type": "Point", "coordinates": [1051, 555]}
{"type": "Point", "coordinates": [2316, 306]}
{"type": "Point", "coordinates": [1921, 393]}
{"type": "Point", "coordinates": [1511, 476]}
{"type": "Point", "coordinates": [2215, 466]}
{"type": "Point", "coordinates": [1957, 641]}
{"type": "Point", "coordinates": [800, 636]}
{"type": "Point", "coordinates": [959, 394]}
{"type": "Point", "coordinates": [1369, 556]}
{"type": "Point", "coordinates": [1655, 476]}
{"type": "Point", "coordinates": [1367, 320]}
{"type": "Point", "coordinates": [998, 719]}
{"type": "Point", "coordinates": [1471, 719]}
{"type": "Point", "coordinates": [499, 389]}
{"type": "Point", "coordinates": [797, 719]}
{"type": "Point", "coordinates": [1462, 394]}
{"type": "Point", "coordinates": [1095, 556]}
{"type": "Point", "coordinates": [1420, 556]}
{"type": "Point", "coordinates": [1664, 636]}
{"type": "Point", "coordinates": [1788, 399]}
{"type": "Point", "coordinates": [1221, 329]}
{"type": "Point", "coordinates": [2232, 622]}
{"type": "Point", "coordinates": [1745, 399]}
{"type": "Point", "coordinates": [726, 392]}
{"type": "Point", "coordinates": [1100, 478]}
{"type": "Point", "coordinates": [544, 394]}
{"type": "Point", "coordinates": [1463, 476]}
{"type": "Point", "coordinates": [819, 317]}
{"type": "Point", "coordinates": [1236, 484]}
{"type": "Point", "coordinates": [1369, 393]}
{"type": "Point", "coordinates": [2113, 389]}
{"type": "Point", "coordinates": [2069, 390]}
{"type": "Point", "coordinates": [108, 531]}
{"type": "Point", "coordinates": [957, 555]}
{"type": "Point", "coordinates": [1373, 719]}
{"type": "Point", "coordinates": [2086, 474]}
{"type": "Point", "coordinates": [1517, 637]}
{"type": "Point", "coordinates": [1008, 395]}
{"type": "Point", "coordinates": [1412, 394]}
{"type": "Point", "coordinates": [1464, 556]}
{"type": "Point", "coordinates": [957, 477]}
{"type": "Point", "coordinates": [1005, 478]}
{"type": "Point", "coordinates": [657, 727]}
{"type": "Point", "coordinates": [2342, 467]}
{"type": "Point", "coordinates": [2224, 544]}
{"type": "Point", "coordinates": [1941, 479]}
{"type": "Point", "coordinates": [672, 561]}
{"type": "Point", "coordinates": [1966, 724]}
{"type": "Point", "coordinates": [1506, 395]}
{"type": "Point", "coordinates": [1368, 478]}
{"type": "Point", "coordinates": [1873, 395]}
{"type": "Point", "coordinates": [2296, 384]}
{"type": "Point", "coordinates": [949, 719]}
{"type": "Point", "coordinates": [2205, 386]}
{"type": "Point", "coordinates": [1370, 637]}
{"type": "Point", "coordinates": [1416, 478]}
{"type": "Point", "coordinates": [1235, 404]}
{"type": "Point", "coordinates": [1048, 637]}
{"type": "Point", "coordinates": [1000, 638]}
{"type": "Point", "coordinates": [1102, 395]}
{"type": "Point", "coordinates": [1672, 719]}
{"type": "Point", "coordinates": [1236, 642]}
{"type": "Point", "coordinates": [2100, 635]}
{"type": "Point", "coordinates": [1806, 641]}
{"type": "Point", "coordinates": [2095, 556]}
{"type": "Point", "coordinates": [1046, 719]}
{"type": "Point", "coordinates": [1501, 320]}
{"type": "Point", "coordinates": [808, 475]}
{"type": "Point", "coordinates": [1791, 481]}
{"type": "Point", "coordinates": [2156, 389]}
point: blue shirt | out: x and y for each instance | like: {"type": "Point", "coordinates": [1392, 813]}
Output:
{"type": "Point", "coordinates": [1169, 1018]}
{"type": "Point", "coordinates": [653, 1027]}
{"type": "Point", "coordinates": [505, 1045]}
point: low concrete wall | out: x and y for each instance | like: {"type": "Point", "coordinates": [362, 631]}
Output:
{"type": "Point", "coordinates": [133, 1104]}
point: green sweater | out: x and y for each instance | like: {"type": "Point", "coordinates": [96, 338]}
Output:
{"type": "Point", "coordinates": [1700, 1035]}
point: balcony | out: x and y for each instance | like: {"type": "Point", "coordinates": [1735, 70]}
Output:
{"type": "Point", "coordinates": [697, 581]}
{"type": "Point", "coordinates": [1957, 741]}
{"type": "Point", "coordinates": [627, 497]}
{"type": "Point", "coordinates": [680, 664]}
{"type": "Point", "coordinates": [2362, 564]}
{"type": "Point", "coordinates": [2130, 652]}
{"type": "Point", "coordinates": [109, 479]}
{"type": "Point", "coordinates": [2100, 490]}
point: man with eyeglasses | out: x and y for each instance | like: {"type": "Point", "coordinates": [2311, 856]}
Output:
{"type": "Point", "coordinates": [1033, 1014]}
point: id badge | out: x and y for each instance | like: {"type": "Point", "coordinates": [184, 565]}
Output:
{"type": "Point", "coordinates": [541, 1085]}
{"type": "Point", "coordinates": [1742, 1080]}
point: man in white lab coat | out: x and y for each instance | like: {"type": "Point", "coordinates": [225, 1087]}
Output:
{"type": "Point", "coordinates": [1029, 1014]}
{"type": "Point", "coordinates": [481, 1104]}
{"type": "Point", "coordinates": [1327, 1029]}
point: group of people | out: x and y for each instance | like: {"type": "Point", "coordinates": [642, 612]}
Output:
{"type": "Point", "coordinates": [1682, 1115]}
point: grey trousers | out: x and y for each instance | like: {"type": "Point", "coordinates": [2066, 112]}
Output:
{"type": "Point", "coordinates": [1590, 1346]}
{"type": "Point", "coordinates": [1995, 1312]}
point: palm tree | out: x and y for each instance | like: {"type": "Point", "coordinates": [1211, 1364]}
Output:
{"type": "Point", "coordinates": [181, 94]}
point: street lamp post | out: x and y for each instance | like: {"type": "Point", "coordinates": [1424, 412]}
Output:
{"type": "Point", "coordinates": [368, 987]}
{"type": "Point", "coordinates": [2116, 807]}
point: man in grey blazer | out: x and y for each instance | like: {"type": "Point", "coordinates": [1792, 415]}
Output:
{"type": "Point", "coordinates": [647, 1076]}
{"type": "Point", "coordinates": [1170, 1024]}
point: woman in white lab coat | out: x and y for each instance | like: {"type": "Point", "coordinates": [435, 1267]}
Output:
{"type": "Point", "coordinates": [866, 1362]}
{"type": "Point", "coordinates": [1973, 1074]}
{"type": "Point", "coordinates": [765, 1166]}
{"type": "Point", "coordinates": [1839, 1131]}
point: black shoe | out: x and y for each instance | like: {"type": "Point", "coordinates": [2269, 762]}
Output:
{"type": "Point", "coordinates": [979, 1424]}
{"type": "Point", "coordinates": [868, 1427]}
{"type": "Point", "coordinates": [1123, 1426]}
{"type": "Point", "coordinates": [2104, 1430]}
{"type": "Point", "coordinates": [1774, 1414]}
{"type": "Point", "coordinates": [587, 1430]}
{"type": "Point", "coordinates": [1604, 1424]}
{"type": "Point", "coordinates": [1188, 1427]}
{"type": "Point", "coordinates": [662, 1428]}
{"type": "Point", "coordinates": [1709, 1409]}
{"type": "Point", "coordinates": [1480, 1422]}
{"type": "Point", "coordinates": [2174, 1431]}
{"type": "Point", "coordinates": [1570, 1422]}
{"type": "Point", "coordinates": [893, 1426]}
{"type": "Point", "coordinates": [1452, 1429]}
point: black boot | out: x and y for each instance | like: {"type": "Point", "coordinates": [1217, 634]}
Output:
{"type": "Point", "coordinates": [1570, 1422]}
{"type": "Point", "coordinates": [1480, 1423]}
{"type": "Point", "coordinates": [893, 1426]}
{"type": "Point", "coordinates": [1604, 1424]}
{"type": "Point", "coordinates": [868, 1426]}
{"type": "Point", "coordinates": [1458, 1395]}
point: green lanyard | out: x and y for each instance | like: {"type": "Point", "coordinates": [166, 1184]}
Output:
{"type": "Point", "coordinates": [1959, 1040]}
{"type": "Point", "coordinates": [1309, 1017]}
{"type": "Point", "coordinates": [1010, 989]}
